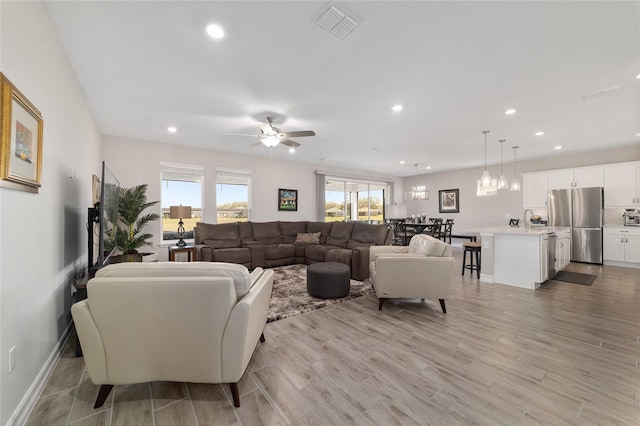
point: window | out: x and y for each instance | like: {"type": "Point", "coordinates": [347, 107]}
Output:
{"type": "Point", "coordinates": [181, 185]}
{"type": "Point", "coordinates": [233, 195]}
{"type": "Point", "coordinates": [348, 199]}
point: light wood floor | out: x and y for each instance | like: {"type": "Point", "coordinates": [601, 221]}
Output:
{"type": "Point", "coordinates": [564, 354]}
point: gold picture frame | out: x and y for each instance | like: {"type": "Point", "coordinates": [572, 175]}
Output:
{"type": "Point", "coordinates": [20, 140]}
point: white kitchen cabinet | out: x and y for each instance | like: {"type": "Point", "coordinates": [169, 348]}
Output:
{"type": "Point", "coordinates": [584, 177]}
{"type": "Point", "coordinates": [563, 250]}
{"type": "Point", "coordinates": [534, 190]}
{"type": "Point", "coordinates": [621, 245]}
{"type": "Point", "coordinates": [621, 185]}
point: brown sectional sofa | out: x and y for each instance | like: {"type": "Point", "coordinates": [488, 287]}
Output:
{"type": "Point", "coordinates": [270, 244]}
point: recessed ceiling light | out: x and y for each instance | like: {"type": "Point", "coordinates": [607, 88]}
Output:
{"type": "Point", "coordinates": [428, 167]}
{"type": "Point", "coordinates": [215, 31]}
{"type": "Point", "coordinates": [557, 147]}
{"type": "Point", "coordinates": [638, 134]}
{"type": "Point", "coordinates": [510, 111]}
{"type": "Point", "coordinates": [402, 161]}
{"type": "Point", "coordinates": [638, 76]}
{"type": "Point", "coordinates": [397, 108]}
{"type": "Point", "coordinates": [292, 150]}
{"type": "Point", "coordinates": [171, 129]}
{"type": "Point", "coordinates": [539, 133]}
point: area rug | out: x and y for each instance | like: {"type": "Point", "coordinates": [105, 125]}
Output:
{"type": "Point", "coordinates": [289, 296]}
{"type": "Point", "coordinates": [575, 278]}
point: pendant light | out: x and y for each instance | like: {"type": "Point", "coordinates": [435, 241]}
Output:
{"type": "Point", "coordinates": [418, 192]}
{"type": "Point", "coordinates": [485, 180]}
{"type": "Point", "coordinates": [515, 184]}
{"type": "Point", "coordinates": [502, 180]}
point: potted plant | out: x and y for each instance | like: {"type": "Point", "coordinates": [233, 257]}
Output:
{"type": "Point", "coordinates": [129, 234]}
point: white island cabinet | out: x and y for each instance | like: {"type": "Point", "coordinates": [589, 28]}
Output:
{"type": "Point", "coordinates": [516, 256]}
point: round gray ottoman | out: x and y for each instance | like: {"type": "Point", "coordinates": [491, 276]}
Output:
{"type": "Point", "coordinates": [328, 280]}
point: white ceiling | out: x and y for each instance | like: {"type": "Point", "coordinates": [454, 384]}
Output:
{"type": "Point", "coordinates": [455, 66]}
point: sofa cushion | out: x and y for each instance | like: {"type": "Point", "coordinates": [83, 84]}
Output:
{"type": "Point", "coordinates": [429, 246]}
{"type": "Point", "coordinates": [339, 255]}
{"type": "Point", "coordinates": [317, 252]}
{"type": "Point", "coordinates": [340, 234]}
{"type": "Point", "coordinates": [279, 251]}
{"type": "Point", "coordinates": [323, 227]}
{"type": "Point", "coordinates": [367, 233]}
{"type": "Point", "coordinates": [289, 230]}
{"type": "Point", "coordinates": [245, 231]}
{"type": "Point", "coordinates": [216, 244]}
{"type": "Point", "coordinates": [239, 273]}
{"type": "Point", "coordinates": [267, 232]}
{"type": "Point", "coordinates": [308, 237]}
{"type": "Point", "coordinates": [208, 231]}
{"type": "Point", "coordinates": [354, 243]}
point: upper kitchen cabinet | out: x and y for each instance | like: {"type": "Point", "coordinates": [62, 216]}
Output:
{"type": "Point", "coordinates": [621, 185]}
{"type": "Point", "coordinates": [584, 177]}
{"type": "Point", "coordinates": [534, 190]}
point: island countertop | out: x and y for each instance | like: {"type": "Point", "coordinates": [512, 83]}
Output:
{"type": "Point", "coordinates": [521, 230]}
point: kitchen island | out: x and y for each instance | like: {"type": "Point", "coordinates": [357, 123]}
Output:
{"type": "Point", "coordinates": [518, 256]}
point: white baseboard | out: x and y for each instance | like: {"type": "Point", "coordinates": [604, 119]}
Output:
{"type": "Point", "coordinates": [29, 400]}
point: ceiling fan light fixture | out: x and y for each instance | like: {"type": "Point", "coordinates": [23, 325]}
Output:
{"type": "Point", "coordinates": [270, 140]}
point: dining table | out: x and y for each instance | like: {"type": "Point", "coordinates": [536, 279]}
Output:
{"type": "Point", "coordinates": [417, 228]}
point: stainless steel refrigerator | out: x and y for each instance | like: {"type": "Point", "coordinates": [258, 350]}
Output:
{"type": "Point", "coordinates": [582, 209]}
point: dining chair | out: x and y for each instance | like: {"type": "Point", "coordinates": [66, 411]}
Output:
{"type": "Point", "coordinates": [447, 230]}
{"type": "Point", "coordinates": [436, 229]}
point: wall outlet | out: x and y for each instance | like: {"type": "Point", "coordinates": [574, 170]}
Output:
{"type": "Point", "coordinates": [12, 359]}
{"type": "Point", "coordinates": [485, 244]}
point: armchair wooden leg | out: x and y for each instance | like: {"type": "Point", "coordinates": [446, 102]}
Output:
{"type": "Point", "coordinates": [380, 303]}
{"type": "Point", "coordinates": [262, 338]}
{"type": "Point", "coordinates": [442, 305]}
{"type": "Point", "coordinates": [102, 395]}
{"type": "Point", "coordinates": [235, 394]}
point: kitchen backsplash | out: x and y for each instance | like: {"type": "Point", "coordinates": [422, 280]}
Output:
{"type": "Point", "coordinates": [612, 216]}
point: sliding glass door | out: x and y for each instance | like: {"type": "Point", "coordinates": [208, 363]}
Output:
{"type": "Point", "coordinates": [351, 200]}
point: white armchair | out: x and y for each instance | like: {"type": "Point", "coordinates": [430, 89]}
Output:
{"type": "Point", "coordinates": [423, 269]}
{"type": "Point", "coordinates": [172, 321]}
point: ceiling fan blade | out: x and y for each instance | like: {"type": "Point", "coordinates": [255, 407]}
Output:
{"type": "Point", "coordinates": [266, 127]}
{"type": "Point", "coordinates": [253, 145]}
{"type": "Point", "coordinates": [289, 142]}
{"type": "Point", "coordinates": [299, 134]}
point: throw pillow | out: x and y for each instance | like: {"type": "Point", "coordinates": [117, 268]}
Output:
{"type": "Point", "coordinates": [308, 237]}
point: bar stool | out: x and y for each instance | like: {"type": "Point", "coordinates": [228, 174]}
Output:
{"type": "Point", "coordinates": [472, 248]}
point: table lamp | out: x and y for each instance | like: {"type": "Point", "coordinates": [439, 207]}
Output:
{"type": "Point", "coordinates": [180, 212]}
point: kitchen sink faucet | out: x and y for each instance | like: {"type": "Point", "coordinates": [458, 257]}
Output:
{"type": "Point", "coordinates": [527, 224]}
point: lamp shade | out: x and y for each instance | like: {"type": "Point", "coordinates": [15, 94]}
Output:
{"type": "Point", "coordinates": [396, 211]}
{"type": "Point", "coordinates": [179, 212]}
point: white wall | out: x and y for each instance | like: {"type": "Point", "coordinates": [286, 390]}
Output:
{"type": "Point", "coordinates": [135, 162]}
{"type": "Point", "coordinates": [43, 235]}
{"type": "Point", "coordinates": [493, 210]}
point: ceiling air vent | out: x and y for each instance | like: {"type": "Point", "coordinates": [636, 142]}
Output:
{"type": "Point", "coordinates": [334, 20]}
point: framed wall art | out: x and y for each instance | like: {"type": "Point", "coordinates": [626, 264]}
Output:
{"type": "Point", "coordinates": [20, 140]}
{"type": "Point", "coordinates": [449, 201]}
{"type": "Point", "coordinates": [288, 200]}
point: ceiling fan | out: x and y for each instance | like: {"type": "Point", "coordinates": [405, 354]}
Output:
{"type": "Point", "coordinates": [272, 136]}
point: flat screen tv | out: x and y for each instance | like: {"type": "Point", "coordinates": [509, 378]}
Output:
{"type": "Point", "coordinates": [105, 213]}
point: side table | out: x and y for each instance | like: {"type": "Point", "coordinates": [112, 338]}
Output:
{"type": "Point", "coordinates": [190, 250]}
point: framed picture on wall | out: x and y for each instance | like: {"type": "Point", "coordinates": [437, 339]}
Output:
{"type": "Point", "coordinates": [288, 200]}
{"type": "Point", "coordinates": [449, 201]}
{"type": "Point", "coordinates": [20, 141]}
